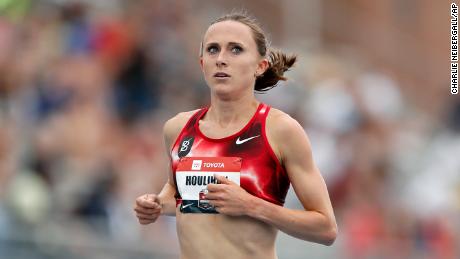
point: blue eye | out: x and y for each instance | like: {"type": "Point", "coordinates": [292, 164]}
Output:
{"type": "Point", "coordinates": [212, 49]}
{"type": "Point", "coordinates": [237, 50]}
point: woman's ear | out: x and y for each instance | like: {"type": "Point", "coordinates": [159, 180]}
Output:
{"type": "Point", "coordinates": [262, 66]}
{"type": "Point", "coordinates": [201, 63]}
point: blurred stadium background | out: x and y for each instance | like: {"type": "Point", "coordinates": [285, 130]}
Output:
{"type": "Point", "coordinates": [85, 87]}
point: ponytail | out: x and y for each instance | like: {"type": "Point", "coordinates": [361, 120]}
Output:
{"type": "Point", "coordinates": [278, 63]}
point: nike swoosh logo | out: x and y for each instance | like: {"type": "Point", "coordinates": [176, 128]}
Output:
{"type": "Point", "coordinates": [190, 204]}
{"type": "Point", "coordinates": [238, 141]}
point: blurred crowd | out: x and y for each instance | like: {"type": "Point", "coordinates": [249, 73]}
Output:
{"type": "Point", "coordinates": [84, 93]}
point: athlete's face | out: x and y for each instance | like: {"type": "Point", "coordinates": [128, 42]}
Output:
{"type": "Point", "coordinates": [230, 58]}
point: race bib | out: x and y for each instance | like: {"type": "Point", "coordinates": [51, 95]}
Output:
{"type": "Point", "coordinates": [193, 174]}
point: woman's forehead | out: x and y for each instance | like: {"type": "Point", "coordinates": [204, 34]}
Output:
{"type": "Point", "coordinates": [228, 31]}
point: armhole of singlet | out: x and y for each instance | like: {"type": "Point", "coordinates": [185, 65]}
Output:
{"type": "Point", "coordinates": [267, 144]}
{"type": "Point", "coordinates": [196, 114]}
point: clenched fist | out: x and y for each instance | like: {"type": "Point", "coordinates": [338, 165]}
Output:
{"type": "Point", "coordinates": [147, 208]}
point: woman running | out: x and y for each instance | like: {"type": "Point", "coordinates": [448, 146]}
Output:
{"type": "Point", "coordinates": [228, 215]}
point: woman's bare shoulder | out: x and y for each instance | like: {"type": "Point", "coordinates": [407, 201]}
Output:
{"type": "Point", "coordinates": [280, 122]}
{"type": "Point", "coordinates": [174, 125]}
{"type": "Point", "coordinates": [284, 132]}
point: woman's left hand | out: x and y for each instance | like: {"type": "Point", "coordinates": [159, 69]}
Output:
{"type": "Point", "coordinates": [228, 198]}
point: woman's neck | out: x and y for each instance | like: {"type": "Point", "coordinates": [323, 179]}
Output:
{"type": "Point", "coordinates": [231, 111]}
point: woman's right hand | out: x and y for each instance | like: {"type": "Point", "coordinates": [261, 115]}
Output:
{"type": "Point", "coordinates": [148, 208]}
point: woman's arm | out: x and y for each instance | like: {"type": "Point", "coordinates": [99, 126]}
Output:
{"type": "Point", "coordinates": [171, 131]}
{"type": "Point", "coordinates": [317, 222]}
{"type": "Point", "coordinates": [149, 206]}
{"type": "Point", "coordinates": [167, 200]}
{"type": "Point", "coordinates": [166, 196]}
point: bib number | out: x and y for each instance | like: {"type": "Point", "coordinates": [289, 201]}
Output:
{"type": "Point", "coordinates": [193, 174]}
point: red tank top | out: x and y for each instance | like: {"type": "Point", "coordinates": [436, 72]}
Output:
{"type": "Point", "coordinates": [261, 173]}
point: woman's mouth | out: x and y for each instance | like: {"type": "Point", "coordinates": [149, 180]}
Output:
{"type": "Point", "coordinates": [221, 75]}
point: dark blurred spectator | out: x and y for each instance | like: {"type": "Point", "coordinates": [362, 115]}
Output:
{"type": "Point", "coordinates": [135, 89]}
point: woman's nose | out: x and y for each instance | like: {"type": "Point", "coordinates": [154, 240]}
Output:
{"type": "Point", "coordinates": [221, 60]}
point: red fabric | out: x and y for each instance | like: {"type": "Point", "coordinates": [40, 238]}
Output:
{"type": "Point", "coordinates": [261, 173]}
